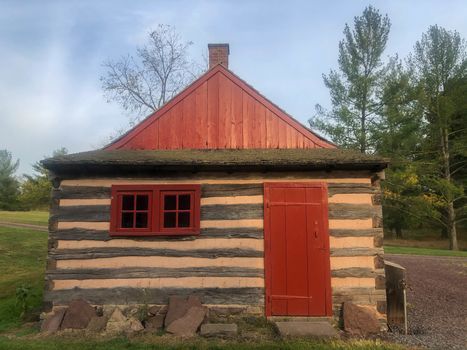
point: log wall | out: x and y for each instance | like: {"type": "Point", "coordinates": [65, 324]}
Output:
{"type": "Point", "coordinates": [224, 264]}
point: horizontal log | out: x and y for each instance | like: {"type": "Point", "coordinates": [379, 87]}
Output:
{"type": "Point", "coordinates": [231, 212]}
{"type": "Point", "coordinates": [356, 232]}
{"type": "Point", "coordinates": [351, 211]}
{"type": "Point", "coordinates": [82, 192]}
{"type": "Point", "coordinates": [208, 271]}
{"type": "Point", "coordinates": [210, 190]}
{"type": "Point", "coordinates": [354, 272]}
{"type": "Point", "coordinates": [207, 190]}
{"type": "Point", "coordinates": [93, 253]}
{"type": "Point", "coordinates": [356, 251]}
{"type": "Point", "coordinates": [153, 272]}
{"type": "Point", "coordinates": [229, 190]}
{"type": "Point", "coordinates": [99, 213]}
{"type": "Point", "coordinates": [359, 295]}
{"type": "Point", "coordinates": [84, 213]}
{"type": "Point", "coordinates": [343, 188]}
{"type": "Point", "coordinates": [235, 232]}
{"type": "Point", "coordinates": [103, 235]}
{"type": "Point", "coordinates": [124, 296]}
{"type": "Point", "coordinates": [163, 282]}
{"type": "Point", "coordinates": [213, 243]}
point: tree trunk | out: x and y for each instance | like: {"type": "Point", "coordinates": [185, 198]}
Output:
{"type": "Point", "coordinates": [398, 231]}
{"type": "Point", "coordinates": [452, 227]}
{"type": "Point", "coordinates": [363, 128]}
{"type": "Point", "coordinates": [451, 214]}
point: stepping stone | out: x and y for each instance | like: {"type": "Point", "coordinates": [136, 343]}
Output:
{"type": "Point", "coordinates": [52, 322]}
{"type": "Point", "coordinates": [218, 330]}
{"type": "Point", "coordinates": [306, 329]}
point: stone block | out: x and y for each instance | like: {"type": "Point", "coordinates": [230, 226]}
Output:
{"type": "Point", "coordinates": [78, 315]}
{"type": "Point", "coordinates": [219, 330]}
{"type": "Point", "coordinates": [306, 329]}
{"type": "Point", "coordinates": [189, 323]}
{"type": "Point", "coordinates": [178, 307]}
{"type": "Point", "coordinates": [154, 323]}
{"type": "Point", "coordinates": [360, 320]}
{"type": "Point", "coordinates": [97, 324]}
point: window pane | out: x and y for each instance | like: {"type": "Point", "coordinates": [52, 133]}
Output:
{"type": "Point", "coordinates": [142, 202]}
{"type": "Point", "coordinates": [170, 220]}
{"type": "Point", "coordinates": [170, 202]}
{"type": "Point", "coordinates": [128, 202]}
{"type": "Point", "coordinates": [184, 202]}
{"type": "Point", "coordinates": [184, 219]}
{"type": "Point", "coordinates": [127, 220]}
{"type": "Point", "coordinates": [141, 220]}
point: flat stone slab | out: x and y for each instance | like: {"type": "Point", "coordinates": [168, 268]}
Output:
{"type": "Point", "coordinates": [52, 322]}
{"type": "Point", "coordinates": [306, 329]}
{"type": "Point", "coordinates": [218, 330]}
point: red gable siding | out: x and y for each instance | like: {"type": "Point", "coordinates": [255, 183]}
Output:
{"type": "Point", "coordinates": [219, 111]}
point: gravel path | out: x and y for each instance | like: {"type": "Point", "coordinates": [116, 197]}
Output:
{"type": "Point", "coordinates": [437, 301]}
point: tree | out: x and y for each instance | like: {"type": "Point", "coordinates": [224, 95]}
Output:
{"type": "Point", "coordinates": [439, 62]}
{"type": "Point", "coordinates": [161, 68]}
{"type": "Point", "coordinates": [406, 202]}
{"type": "Point", "coordinates": [400, 137]}
{"type": "Point", "coordinates": [354, 90]}
{"type": "Point", "coordinates": [35, 189]}
{"type": "Point", "coordinates": [9, 185]}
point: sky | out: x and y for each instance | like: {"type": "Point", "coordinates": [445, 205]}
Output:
{"type": "Point", "coordinates": [52, 53]}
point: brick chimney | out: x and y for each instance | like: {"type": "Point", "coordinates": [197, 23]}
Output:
{"type": "Point", "coordinates": [218, 53]}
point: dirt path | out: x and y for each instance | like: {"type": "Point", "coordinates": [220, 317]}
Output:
{"type": "Point", "coordinates": [16, 224]}
{"type": "Point", "coordinates": [437, 300]}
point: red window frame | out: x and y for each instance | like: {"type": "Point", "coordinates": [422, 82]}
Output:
{"type": "Point", "coordinates": [156, 210]}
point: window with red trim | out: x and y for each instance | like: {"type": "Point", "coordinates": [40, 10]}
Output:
{"type": "Point", "coordinates": [142, 210]}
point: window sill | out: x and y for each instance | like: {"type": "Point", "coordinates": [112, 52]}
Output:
{"type": "Point", "coordinates": [152, 234]}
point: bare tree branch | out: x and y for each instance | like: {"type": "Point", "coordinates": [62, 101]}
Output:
{"type": "Point", "coordinates": [160, 69]}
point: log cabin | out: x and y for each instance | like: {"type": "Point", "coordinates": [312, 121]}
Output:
{"type": "Point", "coordinates": [220, 194]}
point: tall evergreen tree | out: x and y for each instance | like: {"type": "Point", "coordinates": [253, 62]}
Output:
{"type": "Point", "coordinates": [355, 87]}
{"type": "Point", "coordinates": [440, 64]}
{"type": "Point", "coordinates": [36, 188]}
{"type": "Point", "coordinates": [9, 185]}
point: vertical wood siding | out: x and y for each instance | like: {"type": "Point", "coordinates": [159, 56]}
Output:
{"type": "Point", "coordinates": [219, 112]}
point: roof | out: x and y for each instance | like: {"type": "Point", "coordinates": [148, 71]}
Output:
{"type": "Point", "coordinates": [266, 159]}
{"type": "Point", "coordinates": [219, 110]}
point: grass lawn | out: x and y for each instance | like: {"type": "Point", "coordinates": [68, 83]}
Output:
{"type": "Point", "coordinates": [156, 343]}
{"type": "Point", "coordinates": [22, 262]}
{"type": "Point", "coordinates": [390, 249]}
{"type": "Point", "coordinates": [25, 217]}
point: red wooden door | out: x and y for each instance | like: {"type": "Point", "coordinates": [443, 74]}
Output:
{"type": "Point", "coordinates": [297, 266]}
